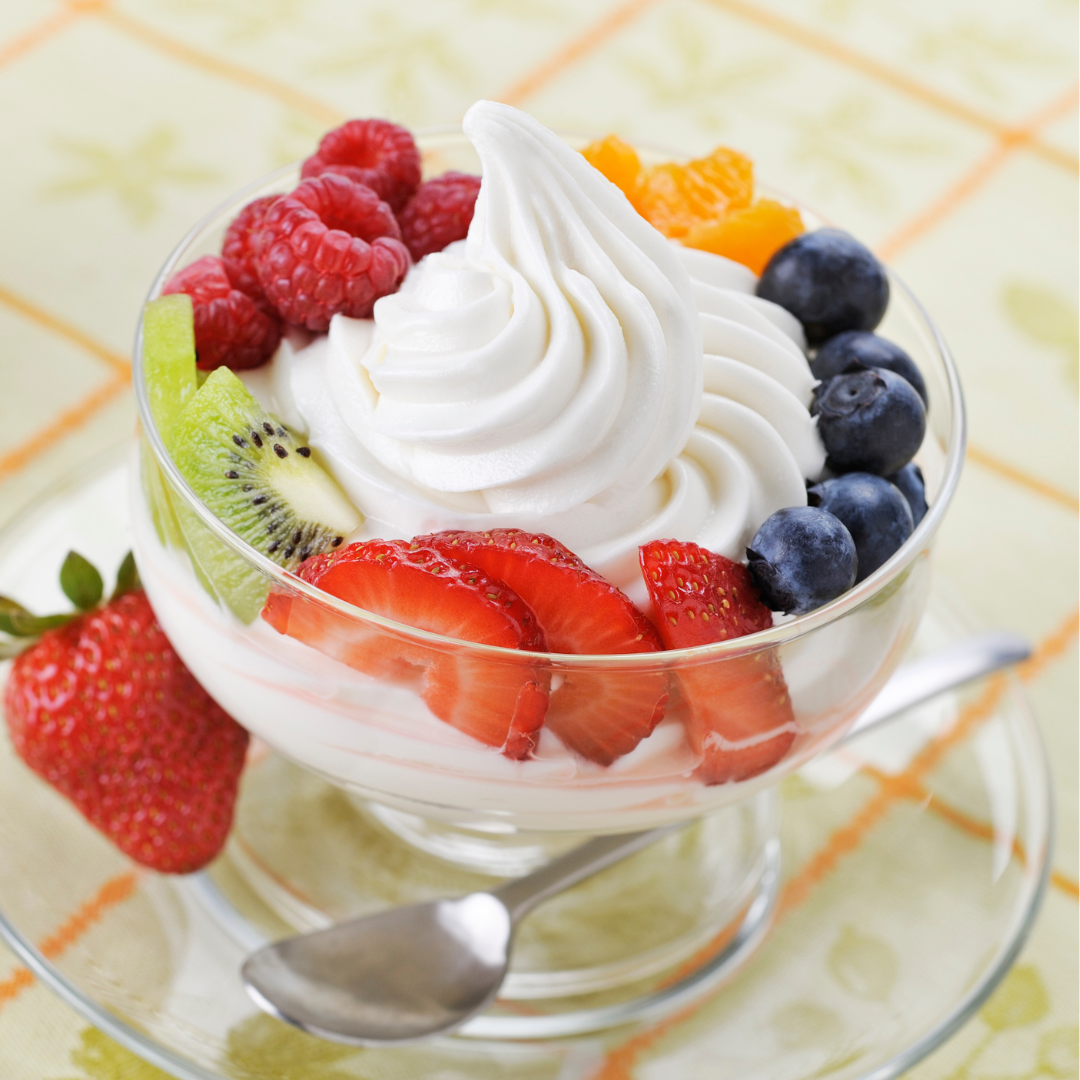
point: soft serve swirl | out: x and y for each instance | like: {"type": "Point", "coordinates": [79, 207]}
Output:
{"type": "Point", "coordinates": [564, 369]}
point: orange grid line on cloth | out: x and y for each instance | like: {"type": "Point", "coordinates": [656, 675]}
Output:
{"type": "Point", "coordinates": [47, 28]}
{"type": "Point", "coordinates": [983, 830]}
{"type": "Point", "coordinates": [883, 73]}
{"type": "Point", "coordinates": [1009, 142]}
{"type": "Point", "coordinates": [577, 48]}
{"type": "Point", "coordinates": [1060, 881]}
{"type": "Point", "coordinates": [620, 1061]}
{"type": "Point", "coordinates": [1017, 476]}
{"type": "Point", "coordinates": [1065, 884]}
{"type": "Point", "coordinates": [115, 891]}
{"type": "Point", "coordinates": [64, 329]}
{"type": "Point", "coordinates": [251, 80]}
{"type": "Point", "coordinates": [67, 422]}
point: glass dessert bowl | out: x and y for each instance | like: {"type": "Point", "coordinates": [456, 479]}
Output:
{"type": "Point", "coordinates": [374, 736]}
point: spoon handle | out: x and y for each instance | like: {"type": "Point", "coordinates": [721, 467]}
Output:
{"type": "Point", "coordinates": [523, 894]}
{"type": "Point", "coordinates": [919, 680]}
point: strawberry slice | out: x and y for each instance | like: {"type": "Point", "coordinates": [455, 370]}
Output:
{"type": "Point", "coordinates": [500, 703]}
{"type": "Point", "coordinates": [599, 715]}
{"type": "Point", "coordinates": [740, 718]}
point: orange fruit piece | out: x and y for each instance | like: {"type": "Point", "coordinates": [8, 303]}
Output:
{"type": "Point", "coordinates": [750, 235]}
{"type": "Point", "coordinates": [675, 198]}
{"type": "Point", "coordinates": [618, 161]}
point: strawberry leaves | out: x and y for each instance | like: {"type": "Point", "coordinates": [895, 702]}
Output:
{"type": "Point", "coordinates": [81, 583]}
{"type": "Point", "coordinates": [127, 577]}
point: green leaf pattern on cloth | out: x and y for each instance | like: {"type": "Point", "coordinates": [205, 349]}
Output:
{"type": "Point", "coordinates": [863, 965]}
{"type": "Point", "coordinates": [805, 1023]}
{"type": "Point", "coordinates": [99, 1058]}
{"type": "Point", "coordinates": [135, 176]}
{"type": "Point", "coordinates": [1044, 316]}
{"type": "Point", "coordinates": [1020, 1000]}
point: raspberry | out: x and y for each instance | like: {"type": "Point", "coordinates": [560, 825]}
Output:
{"type": "Point", "coordinates": [239, 254]}
{"type": "Point", "coordinates": [331, 247]}
{"type": "Point", "coordinates": [230, 330]}
{"type": "Point", "coordinates": [439, 213]}
{"type": "Point", "coordinates": [375, 153]}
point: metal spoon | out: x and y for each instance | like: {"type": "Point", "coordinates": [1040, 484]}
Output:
{"type": "Point", "coordinates": [423, 970]}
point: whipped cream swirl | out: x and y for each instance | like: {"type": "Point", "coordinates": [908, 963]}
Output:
{"type": "Point", "coordinates": [565, 369]}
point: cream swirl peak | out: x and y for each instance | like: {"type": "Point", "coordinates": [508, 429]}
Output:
{"type": "Point", "coordinates": [552, 357]}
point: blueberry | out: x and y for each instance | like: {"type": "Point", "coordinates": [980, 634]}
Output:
{"type": "Point", "coordinates": [829, 282]}
{"type": "Point", "coordinates": [870, 421]}
{"type": "Point", "coordinates": [875, 512]}
{"type": "Point", "coordinates": [869, 350]}
{"type": "Point", "coordinates": [801, 558]}
{"type": "Point", "coordinates": [912, 486]}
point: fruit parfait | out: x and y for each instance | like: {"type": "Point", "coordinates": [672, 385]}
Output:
{"type": "Point", "coordinates": [565, 488]}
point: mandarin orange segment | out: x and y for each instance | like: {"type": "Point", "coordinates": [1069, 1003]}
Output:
{"type": "Point", "coordinates": [674, 198]}
{"type": "Point", "coordinates": [617, 160]}
{"type": "Point", "coordinates": [750, 235]}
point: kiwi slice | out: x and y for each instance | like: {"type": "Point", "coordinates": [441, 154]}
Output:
{"type": "Point", "coordinates": [169, 359]}
{"type": "Point", "coordinates": [285, 506]}
{"type": "Point", "coordinates": [168, 355]}
{"type": "Point", "coordinates": [261, 481]}
{"type": "Point", "coordinates": [157, 498]}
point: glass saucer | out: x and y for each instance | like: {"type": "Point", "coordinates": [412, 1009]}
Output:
{"type": "Point", "coordinates": [913, 862]}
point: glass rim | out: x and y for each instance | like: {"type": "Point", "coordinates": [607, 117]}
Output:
{"type": "Point", "coordinates": [780, 634]}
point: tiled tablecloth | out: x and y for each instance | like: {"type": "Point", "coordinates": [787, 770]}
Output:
{"type": "Point", "coordinates": [942, 132]}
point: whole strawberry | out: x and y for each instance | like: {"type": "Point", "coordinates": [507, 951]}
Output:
{"type": "Point", "coordinates": [102, 708]}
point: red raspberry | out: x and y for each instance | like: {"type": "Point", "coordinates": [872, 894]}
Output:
{"type": "Point", "coordinates": [378, 154]}
{"type": "Point", "coordinates": [239, 254]}
{"type": "Point", "coordinates": [230, 330]}
{"type": "Point", "coordinates": [331, 247]}
{"type": "Point", "coordinates": [439, 213]}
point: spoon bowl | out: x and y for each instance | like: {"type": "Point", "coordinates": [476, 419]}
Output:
{"type": "Point", "coordinates": [412, 970]}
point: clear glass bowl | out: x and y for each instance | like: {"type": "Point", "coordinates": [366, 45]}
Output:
{"type": "Point", "coordinates": [373, 735]}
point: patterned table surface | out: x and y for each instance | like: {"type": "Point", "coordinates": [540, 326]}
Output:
{"type": "Point", "coordinates": [942, 132]}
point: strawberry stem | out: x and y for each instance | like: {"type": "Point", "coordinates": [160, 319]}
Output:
{"type": "Point", "coordinates": [10, 609]}
{"type": "Point", "coordinates": [35, 625]}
